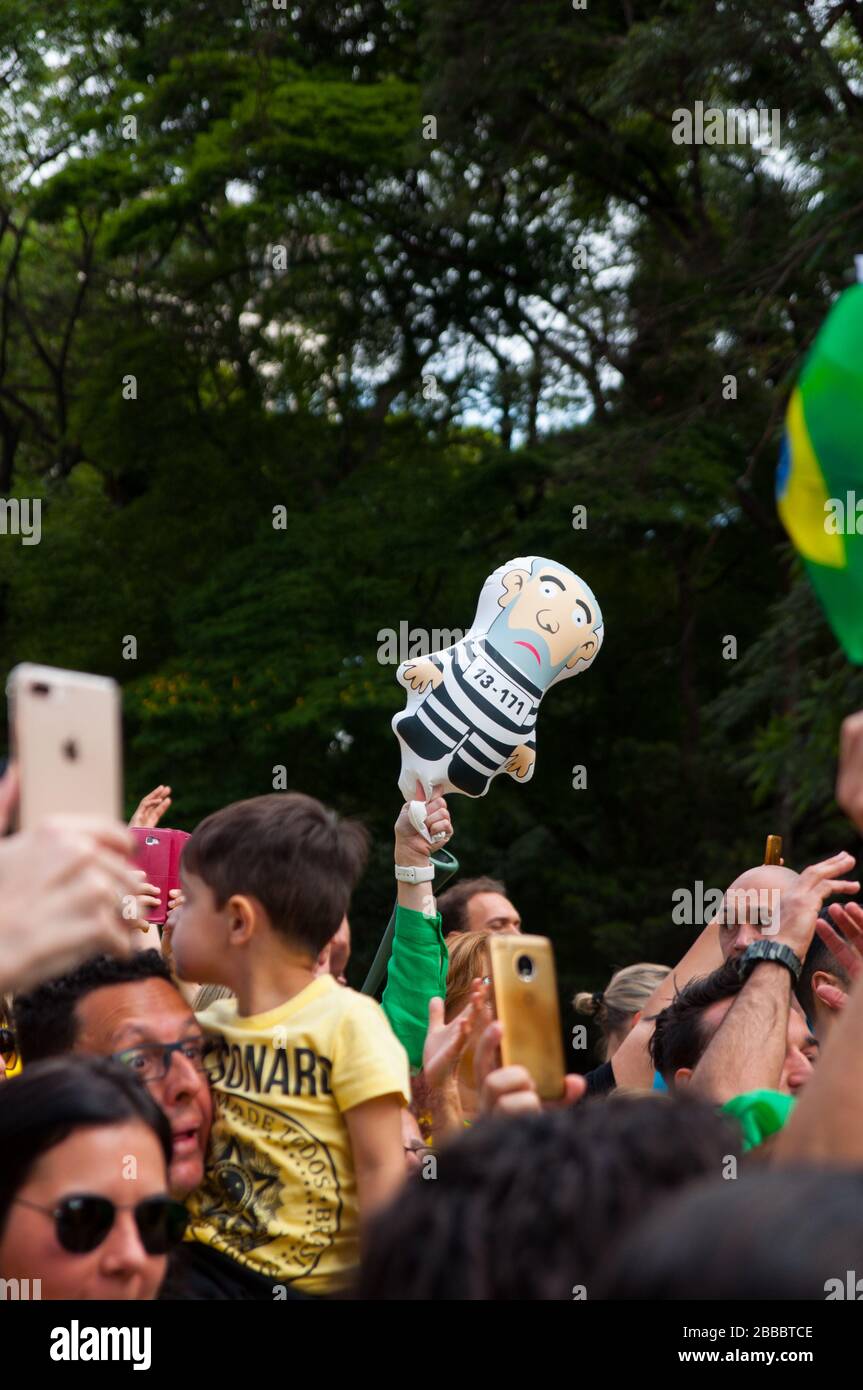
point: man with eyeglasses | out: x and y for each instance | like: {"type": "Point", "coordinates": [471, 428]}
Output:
{"type": "Point", "coordinates": [130, 1010]}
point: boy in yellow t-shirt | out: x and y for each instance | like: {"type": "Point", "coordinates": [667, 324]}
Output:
{"type": "Point", "coordinates": [308, 1077]}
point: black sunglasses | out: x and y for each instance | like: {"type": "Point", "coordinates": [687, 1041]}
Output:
{"type": "Point", "coordinates": [82, 1221]}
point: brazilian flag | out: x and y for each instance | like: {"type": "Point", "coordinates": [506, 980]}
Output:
{"type": "Point", "coordinates": [820, 475]}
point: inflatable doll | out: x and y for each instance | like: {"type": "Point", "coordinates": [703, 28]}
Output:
{"type": "Point", "coordinates": [472, 708]}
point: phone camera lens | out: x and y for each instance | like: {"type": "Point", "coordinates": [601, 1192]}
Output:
{"type": "Point", "coordinates": [40, 688]}
{"type": "Point", "coordinates": [524, 966]}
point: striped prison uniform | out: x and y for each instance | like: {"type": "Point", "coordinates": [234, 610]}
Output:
{"type": "Point", "coordinates": [466, 719]}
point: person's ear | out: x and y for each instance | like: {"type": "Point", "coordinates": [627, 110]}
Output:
{"type": "Point", "coordinates": [322, 964]}
{"type": "Point", "coordinates": [683, 1076]}
{"type": "Point", "coordinates": [826, 977]}
{"type": "Point", "coordinates": [634, 1019]}
{"type": "Point", "coordinates": [242, 915]}
{"type": "Point", "coordinates": [513, 582]}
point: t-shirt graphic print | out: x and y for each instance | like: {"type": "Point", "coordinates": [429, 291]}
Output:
{"type": "Point", "coordinates": [279, 1193]}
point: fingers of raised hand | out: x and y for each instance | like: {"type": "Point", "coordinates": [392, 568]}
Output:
{"type": "Point", "coordinates": [436, 1013]}
{"type": "Point", "coordinates": [510, 1090]}
{"type": "Point", "coordinates": [438, 823]}
{"type": "Point", "coordinates": [828, 868]}
{"type": "Point", "coordinates": [844, 953]}
{"type": "Point", "coordinates": [486, 1057]}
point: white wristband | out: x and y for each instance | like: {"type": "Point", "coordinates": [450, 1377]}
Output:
{"type": "Point", "coordinates": [414, 873]}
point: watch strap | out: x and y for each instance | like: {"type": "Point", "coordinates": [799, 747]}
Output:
{"type": "Point", "coordinates": [414, 873]}
{"type": "Point", "coordinates": [775, 951]}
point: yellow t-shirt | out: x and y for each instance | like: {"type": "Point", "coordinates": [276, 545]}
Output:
{"type": "Point", "coordinates": [279, 1193]}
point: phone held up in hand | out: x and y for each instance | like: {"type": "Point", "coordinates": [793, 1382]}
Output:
{"type": "Point", "coordinates": [773, 850]}
{"type": "Point", "coordinates": [524, 986]}
{"type": "Point", "coordinates": [66, 740]}
{"type": "Point", "coordinates": [158, 854]}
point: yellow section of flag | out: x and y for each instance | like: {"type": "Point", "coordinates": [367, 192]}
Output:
{"type": "Point", "coordinates": [803, 504]}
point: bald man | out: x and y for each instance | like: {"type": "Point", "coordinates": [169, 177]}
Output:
{"type": "Point", "coordinates": [747, 912]}
{"type": "Point", "coordinates": [750, 905]}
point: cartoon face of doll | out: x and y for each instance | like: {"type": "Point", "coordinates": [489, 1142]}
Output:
{"type": "Point", "coordinates": [549, 620]}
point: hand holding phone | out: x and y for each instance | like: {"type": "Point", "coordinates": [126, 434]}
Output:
{"type": "Point", "coordinates": [66, 880]}
{"type": "Point", "coordinates": [158, 854]}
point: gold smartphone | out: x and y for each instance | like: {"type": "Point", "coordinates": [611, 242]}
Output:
{"type": "Point", "coordinates": [524, 985]}
{"type": "Point", "coordinates": [65, 738]}
{"type": "Point", "coordinates": [773, 849]}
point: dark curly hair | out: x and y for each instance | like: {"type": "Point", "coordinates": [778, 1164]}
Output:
{"type": "Point", "coordinates": [44, 1019]}
{"type": "Point", "coordinates": [524, 1209]}
{"type": "Point", "coordinates": [770, 1235]}
{"type": "Point", "coordinates": [679, 1037]}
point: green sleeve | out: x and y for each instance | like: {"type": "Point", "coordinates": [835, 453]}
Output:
{"type": "Point", "coordinates": [416, 973]}
{"type": "Point", "coordinates": [760, 1114]}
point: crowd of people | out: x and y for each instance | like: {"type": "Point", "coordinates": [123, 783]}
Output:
{"type": "Point", "coordinates": [209, 1111]}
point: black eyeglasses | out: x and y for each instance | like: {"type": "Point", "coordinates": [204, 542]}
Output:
{"type": "Point", "coordinates": [83, 1221]}
{"type": "Point", "coordinates": [151, 1061]}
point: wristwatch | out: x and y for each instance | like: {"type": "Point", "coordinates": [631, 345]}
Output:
{"type": "Point", "coordinates": [414, 873]}
{"type": "Point", "coordinates": [769, 950]}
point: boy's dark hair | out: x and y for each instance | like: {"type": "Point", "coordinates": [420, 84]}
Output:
{"type": "Point", "coordinates": [679, 1038]}
{"type": "Point", "coordinates": [453, 904]}
{"type": "Point", "coordinates": [818, 957]}
{"type": "Point", "coordinates": [524, 1208]}
{"type": "Point", "coordinates": [50, 1100]}
{"type": "Point", "coordinates": [44, 1019]}
{"type": "Point", "coordinates": [296, 857]}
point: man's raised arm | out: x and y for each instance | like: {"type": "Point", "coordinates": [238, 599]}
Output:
{"type": "Point", "coordinates": [631, 1062]}
{"type": "Point", "coordinates": [748, 1049]}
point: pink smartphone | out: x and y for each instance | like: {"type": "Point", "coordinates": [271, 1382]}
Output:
{"type": "Point", "coordinates": [158, 854]}
{"type": "Point", "coordinates": [65, 737]}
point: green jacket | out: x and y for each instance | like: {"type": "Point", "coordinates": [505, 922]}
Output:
{"type": "Point", "coordinates": [415, 974]}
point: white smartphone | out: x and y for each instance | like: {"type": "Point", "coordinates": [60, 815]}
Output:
{"type": "Point", "coordinates": [65, 738]}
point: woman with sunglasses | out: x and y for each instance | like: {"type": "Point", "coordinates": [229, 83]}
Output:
{"type": "Point", "coordinates": [84, 1204]}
